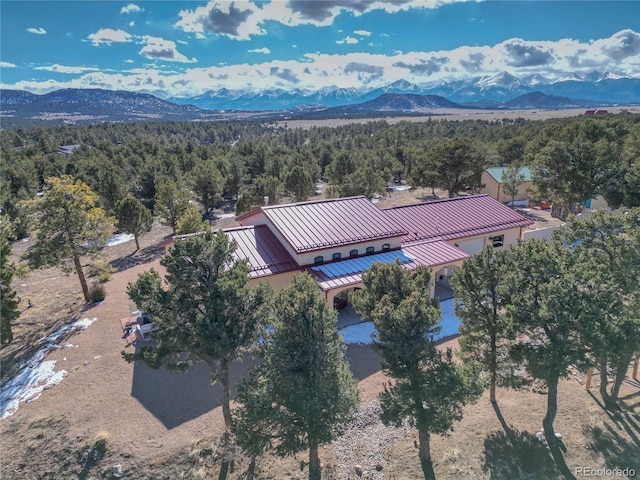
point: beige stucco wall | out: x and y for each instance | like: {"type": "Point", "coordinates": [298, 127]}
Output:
{"type": "Point", "coordinates": [494, 189]}
{"type": "Point", "coordinates": [278, 281]}
{"type": "Point", "coordinates": [307, 258]}
{"type": "Point", "coordinates": [491, 187]}
{"type": "Point", "coordinates": [469, 244]}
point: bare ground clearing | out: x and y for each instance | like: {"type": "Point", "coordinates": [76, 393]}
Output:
{"type": "Point", "coordinates": [160, 425]}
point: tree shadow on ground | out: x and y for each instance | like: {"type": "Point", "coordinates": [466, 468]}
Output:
{"type": "Point", "coordinates": [144, 255]}
{"type": "Point", "coordinates": [517, 454]}
{"type": "Point", "coordinates": [624, 420]}
{"type": "Point", "coordinates": [176, 398]}
{"type": "Point", "coordinates": [617, 451]}
{"type": "Point", "coordinates": [363, 360]}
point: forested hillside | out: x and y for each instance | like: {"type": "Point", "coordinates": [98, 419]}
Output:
{"type": "Point", "coordinates": [573, 159]}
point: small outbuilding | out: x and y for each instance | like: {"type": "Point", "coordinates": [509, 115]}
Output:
{"type": "Point", "coordinates": [494, 185]}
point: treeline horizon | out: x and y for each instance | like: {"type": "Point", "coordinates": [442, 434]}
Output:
{"type": "Point", "coordinates": [240, 162]}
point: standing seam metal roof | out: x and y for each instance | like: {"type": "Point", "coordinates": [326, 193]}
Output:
{"type": "Point", "coordinates": [453, 218]}
{"type": "Point", "coordinates": [317, 225]}
{"type": "Point", "coordinates": [261, 248]}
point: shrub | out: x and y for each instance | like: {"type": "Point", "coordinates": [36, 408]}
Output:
{"type": "Point", "coordinates": [101, 271]}
{"type": "Point", "coordinates": [97, 293]}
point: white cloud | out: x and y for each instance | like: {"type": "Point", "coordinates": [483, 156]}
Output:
{"type": "Point", "coordinates": [158, 48]}
{"type": "Point", "coordinates": [242, 19]}
{"type": "Point", "coordinates": [348, 40]}
{"type": "Point", "coordinates": [317, 70]}
{"type": "Point", "coordinates": [132, 23]}
{"type": "Point", "coordinates": [264, 50]}
{"type": "Point", "coordinates": [362, 33]}
{"type": "Point", "coordinates": [37, 31]}
{"type": "Point", "coordinates": [7, 65]}
{"type": "Point", "coordinates": [236, 19]}
{"type": "Point", "coordinates": [107, 36]}
{"type": "Point", "coordinates": [66, 69]}
{"type": "Point", "coordinates": [128, 60]}
{"type": "Point", "coordinates": [131, 8]}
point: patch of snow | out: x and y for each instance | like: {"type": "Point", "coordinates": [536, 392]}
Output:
{"type": "Point", "coordinates": [36, 375]}
{"type": "Point", "coordinates": [360, 333]}
{"type": "Point", "coordinates": [226, 215]}
{"type": "Point", "coordinates": [119, 238]}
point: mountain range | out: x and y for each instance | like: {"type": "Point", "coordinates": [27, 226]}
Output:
{"type": "Point", "coordinates": [502, 92]}
{"type": "Point", "coordinates": [502, 87]}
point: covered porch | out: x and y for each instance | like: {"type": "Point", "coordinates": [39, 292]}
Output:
{"type": "Point", "coordinates": [339, 279]}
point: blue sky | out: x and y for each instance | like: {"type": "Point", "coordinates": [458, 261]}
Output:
{"type": "Point", "coordinates": [185, 48]}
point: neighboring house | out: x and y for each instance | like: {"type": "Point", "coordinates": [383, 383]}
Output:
{"type": "Point", "coordinates": [67, 149]}
{"type": "Point", "coordinates": [337, 240]}
{"type": "Point", "coordinates": [492, 181]}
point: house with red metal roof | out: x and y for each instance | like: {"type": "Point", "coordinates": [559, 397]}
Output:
{"type": "Point", "coordinates": [336, 240]}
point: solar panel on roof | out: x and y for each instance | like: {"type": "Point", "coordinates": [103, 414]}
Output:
{"type": "Point", "coordinates": [356, 265]}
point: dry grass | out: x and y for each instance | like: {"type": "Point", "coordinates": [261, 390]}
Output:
{"type": "Point", "coordinates": [158, 425]}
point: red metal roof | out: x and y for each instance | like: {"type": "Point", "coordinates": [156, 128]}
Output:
{"type": "Point", "coordinates": [455, 218]}
{"type": "Point", "coordinates": [260, 247]}
{"type": "Point", "coordinates": [317, 225]}
{"type": "Point", "coordinates": [426, 253]}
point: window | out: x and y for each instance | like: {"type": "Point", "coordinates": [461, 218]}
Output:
{"type": "Point", "coordinates": [386, 247]}
{"type": "Point", "coordinates": [498, 240]}
{"type": "Point", "coordinates": [337, 256]}
{"type": "Point", "coordinates": [318, 259]}
{"type": "Point", "coordinates": [353, 253]}
{"type": "Point", "coordinates": [370, 250]}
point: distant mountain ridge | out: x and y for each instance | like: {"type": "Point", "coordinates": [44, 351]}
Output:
{"type": "Point", "coordinates": [502, 87]}
{"type": "Point", "coordinates": [96, 105]}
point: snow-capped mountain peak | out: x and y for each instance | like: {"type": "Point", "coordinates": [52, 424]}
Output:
{"type": "Point", "coordinates": [535, 80]}
{"type": "Point", "coordinates": [571, 77]}
{"type": "Point", "coordinates": [501, 80]}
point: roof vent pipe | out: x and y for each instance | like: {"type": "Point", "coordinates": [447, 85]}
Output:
{"type": "Point", "coordinates": [266, 201]}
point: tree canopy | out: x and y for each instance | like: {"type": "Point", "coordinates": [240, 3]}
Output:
{"type": "Point", "coordinates": [69, 225]}
{"type": "Point", "coordinates": [303, 391]}
{"type": "Point", "coordinates": [429, 389]}
{"type": "Point", "coordinates": [207, 313]}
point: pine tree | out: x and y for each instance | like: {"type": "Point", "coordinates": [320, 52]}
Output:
{"type": "Point", "coordinates": [69, 225]}
{"type": "Point", "coordinates": [429, 389]}
{"type": "Point", "coordinates": [511, 180]}
{"type": "Point", "coordinates": [133, 217]}
{"type": "Point", "coordinates": [8, 304]}
{"type": "Point", "coordinates": [303, 391]}
{"type": "Point", "coordinates": [485, 330]}
{"type": "Point", "coordinates": [171, 202]}
{"type": "Point", "coordinates": [608, 245]}
{"type": "Point", "coordinates": [207, 314]}
{"type": "Point", "coordinates": [551, 310]}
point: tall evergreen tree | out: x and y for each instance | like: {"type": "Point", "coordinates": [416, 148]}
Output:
{"type": "Point", "coordinates": [134, 218]}
{"type": "Point", "coordinates": [170, 202]}
{"type": "Point", "coordinates": [303, 391]}
{"type": "Point", "coordinates": [299, 183]}
{"type": "Point", "coordinates": [207, 182]}
{"type": "Point", "coordinates": [69, 225]}
{"type": "Point", "coordinates": [8, 304]}
{"type": "Point", "coordinates": [608, 245]}
{"type": "Point", "coordinates": [207, 314]}
{"type": "Point", "coordinates": [485, 330]}
{"type": "Point", "coordinates": [429, 389]}
{"type": "Point", "coordinates": [511, 180]}
{"type": "Point", "coordinates": [551, 311]}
